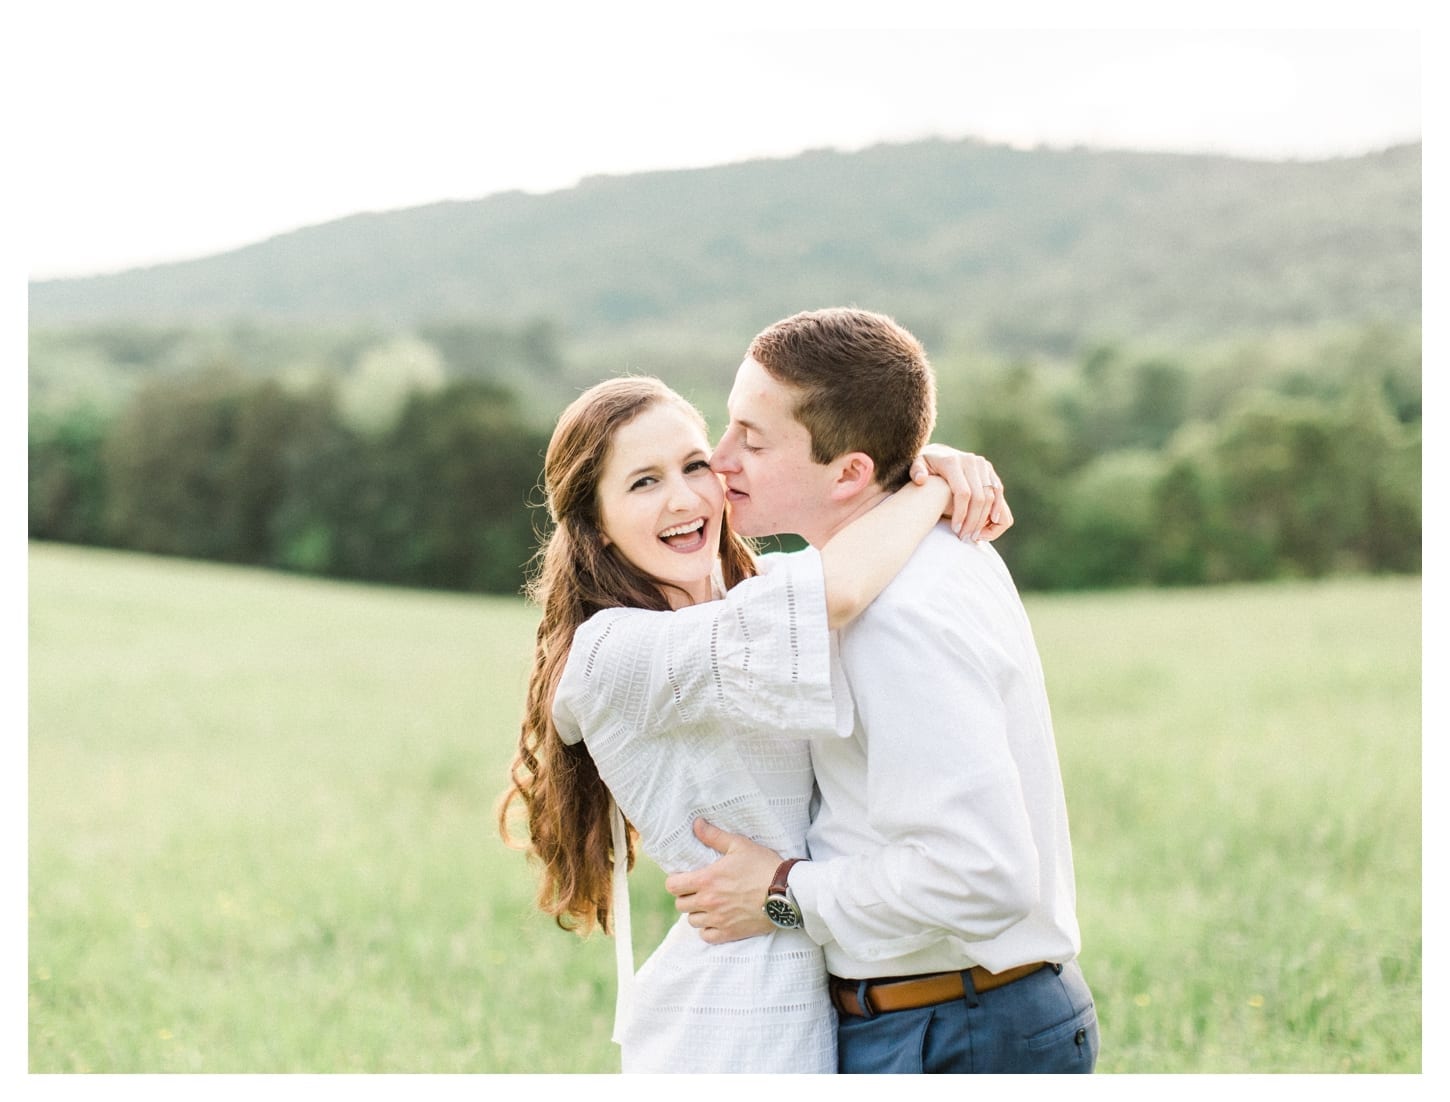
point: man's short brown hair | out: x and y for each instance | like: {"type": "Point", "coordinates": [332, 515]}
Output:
{"type": "Point", "coordinates": [865, 385]}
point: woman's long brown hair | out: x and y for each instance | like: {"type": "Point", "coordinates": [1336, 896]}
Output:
{"type": "Point", "coordinates": [565, 804]}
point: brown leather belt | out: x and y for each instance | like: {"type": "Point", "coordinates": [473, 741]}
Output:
{"type": "Point", "coordinates": [911, 992]}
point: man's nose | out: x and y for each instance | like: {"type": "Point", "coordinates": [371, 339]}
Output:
{"type": "Point", "coordinates": [723, 459]}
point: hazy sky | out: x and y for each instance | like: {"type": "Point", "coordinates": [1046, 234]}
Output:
{"type": "Point", "coordinates": [159, 131]}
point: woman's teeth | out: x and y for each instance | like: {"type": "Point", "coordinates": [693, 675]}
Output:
{"type": "Point", "coordinates": [681, 529]}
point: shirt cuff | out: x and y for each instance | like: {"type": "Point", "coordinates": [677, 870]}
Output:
{"type": "Point", "coordinates": [805, 885]}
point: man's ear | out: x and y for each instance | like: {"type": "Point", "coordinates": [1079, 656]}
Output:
{"type": "Point", "coordinates": [855, 473]}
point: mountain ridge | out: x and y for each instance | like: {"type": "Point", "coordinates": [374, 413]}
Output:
{"type": "Point", "coordinates": [1021, 250]}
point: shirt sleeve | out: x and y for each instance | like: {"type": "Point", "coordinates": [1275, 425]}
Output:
{"type": "Point", "coordinates": [943, 791]}
{"type": "Point", "coordinates": [760, 658]}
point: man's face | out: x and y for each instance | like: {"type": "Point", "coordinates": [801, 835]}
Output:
{"type": "Point", "coordinates": [772, 484]}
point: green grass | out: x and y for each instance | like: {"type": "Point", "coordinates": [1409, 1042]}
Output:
{"type": "Point", "coordinates": [1243, 775]}
{"type": "Point", "coordinates": [261, 833]}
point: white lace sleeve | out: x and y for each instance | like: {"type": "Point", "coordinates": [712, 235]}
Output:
{"type": "Point", "coordinates": [760, 658]}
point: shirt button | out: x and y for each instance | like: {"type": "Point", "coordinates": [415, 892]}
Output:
{"type": "Point", "coordinates": [1081, 1037]}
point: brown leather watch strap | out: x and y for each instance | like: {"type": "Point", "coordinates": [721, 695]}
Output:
{"type": "Point", "coordinates": [782, 876]}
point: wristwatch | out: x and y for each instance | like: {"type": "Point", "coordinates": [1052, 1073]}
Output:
{"type": "Point", "coordinates": [780, 905]}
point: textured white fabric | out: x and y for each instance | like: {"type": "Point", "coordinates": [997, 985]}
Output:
{"type": "Point", "coordinates": [705, 712]}
{"type": "Point", "coordinates": [941, 841]}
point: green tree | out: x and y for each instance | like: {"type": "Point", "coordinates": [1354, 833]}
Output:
{"type": "Point", "coordinates": [67, 477]}
{"type": "Point", "coordinates": [1286, 485]}
{"type": "Point", "coordinates": [440, 500]}
{"type": "Point", "coordinates": [1182, 514]}
{"type": "Point", "coordinates": [332, 501]}
{"type": "Point", "coordinates": [196, 465]}
{"type": "Point", "coordinates": [1380, 467]}
{"type": "Point", "coordinates": [1011, 419]}
{"type": "Point", "coordinates": [474, 467]}
{"type": "Point", "coordinates": [1107, 527]}
{"type": "Point", "coordinates": [1158, 403]}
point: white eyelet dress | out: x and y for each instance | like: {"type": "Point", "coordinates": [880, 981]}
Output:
{"type": "Point", "coordinates": [706, 712]}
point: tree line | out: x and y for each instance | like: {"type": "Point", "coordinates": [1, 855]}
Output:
{"type": "Point", "coordinates": [1139, 470]}
{"type": "Point", "coordinates": [1123, 467]}
{"type": "Point", "coordinates": [237, 469]}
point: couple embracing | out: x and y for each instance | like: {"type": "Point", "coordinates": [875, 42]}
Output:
{"type": "Point", "coordinates": [842, 757]}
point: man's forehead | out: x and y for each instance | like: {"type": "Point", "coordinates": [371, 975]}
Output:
{"type": "Point", "coordinates": [756, 396]}
{"type": "Point", "coordinates": [737, 387]}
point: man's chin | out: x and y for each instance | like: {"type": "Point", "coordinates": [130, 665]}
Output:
{"type": "Point", "coordinates": [741, 525]}
{"type": "Point", "coordinates": [739, 521]}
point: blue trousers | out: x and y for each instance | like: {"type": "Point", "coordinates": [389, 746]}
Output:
{"type": "Point", "coordinates": [1044, 1022]}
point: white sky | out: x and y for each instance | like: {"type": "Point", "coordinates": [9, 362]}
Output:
{"type": "Point", "coordinates": [159, 131]}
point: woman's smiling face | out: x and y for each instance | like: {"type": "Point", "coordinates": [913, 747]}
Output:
{"type": "Point", "coordinates": [660, 504]}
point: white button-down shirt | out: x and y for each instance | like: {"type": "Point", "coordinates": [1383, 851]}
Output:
{"type": "Point", "coordinates": [941, 841]}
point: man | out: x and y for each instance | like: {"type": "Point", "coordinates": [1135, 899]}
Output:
{"type": "Point", "coordinates": [940, 882]}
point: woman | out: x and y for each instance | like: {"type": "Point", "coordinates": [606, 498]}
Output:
{"type": "Point", "coordinates": [705, 712]}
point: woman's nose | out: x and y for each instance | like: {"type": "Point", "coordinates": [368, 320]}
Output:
{"type": "Point", "coordinates": [683, 496]}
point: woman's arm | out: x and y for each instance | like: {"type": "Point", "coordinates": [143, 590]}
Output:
{"type": "Point", "coordinates": [863, 557]}
{"type": "Point", "coordinates": [860, 559]}
{"type": "Point", "coordinates": [979, 507]}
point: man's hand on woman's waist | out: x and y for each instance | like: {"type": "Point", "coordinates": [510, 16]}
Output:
{"type": "Point", "coordinates": [725, 899]}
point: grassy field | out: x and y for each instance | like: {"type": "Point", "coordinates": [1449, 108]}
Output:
{"type": "Point", "coordinates": [261, 834]}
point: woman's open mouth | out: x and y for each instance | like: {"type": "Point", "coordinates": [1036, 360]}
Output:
{"type": "Point", "coordinates": [685, 537]}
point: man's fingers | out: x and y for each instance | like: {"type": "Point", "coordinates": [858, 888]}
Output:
{"type": "Point", "coordinates": [717, 839]}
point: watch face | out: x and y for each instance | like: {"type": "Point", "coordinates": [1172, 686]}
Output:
{"type": "Point", "coordinates": [782, 912]}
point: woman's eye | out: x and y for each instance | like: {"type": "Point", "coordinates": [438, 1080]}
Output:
{"type": "Point", "coordinates": [641, 482]}
{"type": "Point", "coordinates": [697, 465]}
